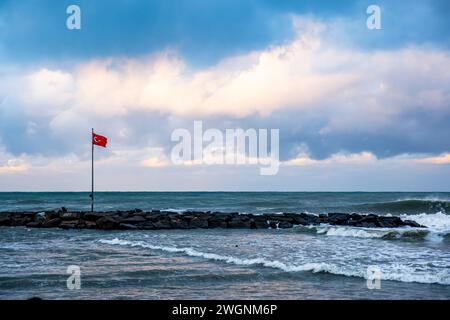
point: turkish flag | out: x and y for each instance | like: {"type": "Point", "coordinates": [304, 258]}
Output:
{"type": "Point", "coordinates": [99, 140]}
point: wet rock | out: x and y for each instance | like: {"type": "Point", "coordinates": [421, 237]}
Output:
{"type": "Point", "coordinates": [134, 220]}
{"type": "Point", "coordinates": [93, 216]}
{"type": "Point", "coordinates": [323, 218]}
{"type": "Point", "coordinates": [49, 215]}
{"type": "Point", "coordinates": [284, 225]}
{"type": "Point", "coordinates": [178, 223]}
{"type": "Point", "coordinates": [389, 222]}
{"type": "Point", "coordinates": [5, 220]}
{"type": "Point", "coordinates": [107, 223]}
{"type": "Point", "coordinates": [137, 219]}
{"type": "Point", "coordinates": [412, 224]}
{"type": "Point", "coordinates": [198, 222]}
{"type": "Point", "coordinates": [70, 224]}
{"type": "Point", "coordinates": [40, 217]}
{"type": "Point", "coordinates": [336, 218]}
{"type": "Point", "coordinates": [218, 221]}
{"type": "Point", "coordinates": [52, 223]}
{"type": "Point", "coordinates": [239, 222]}
{"type": "Point", "coordinates": [71, 216]}
{"type": "Point", "coordinates": [273, 224]}
{"type": "Point", "coordinates": [126, 226]}
{"type": "Point", "coordinates": [62, 210]}
{"type": "Point", "coordinates": [34, 224]}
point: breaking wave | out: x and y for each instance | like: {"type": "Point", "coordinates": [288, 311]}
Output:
{"type": "Point", "coordinates": [438, 228]}
{"type": "Point", "coordinates": [401, 273]}
{"type": "Point", "coordinates": [428, 205]}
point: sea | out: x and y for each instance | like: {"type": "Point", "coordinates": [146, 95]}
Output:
{"type": "Point", "coordinates": [316, 262]}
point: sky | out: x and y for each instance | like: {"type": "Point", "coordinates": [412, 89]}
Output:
{"type": "Point", "coordinates": [357, 109]}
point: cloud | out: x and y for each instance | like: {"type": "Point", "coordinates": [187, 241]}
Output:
{"type": "Point", "coordinates": [12, 167]}
{"type": "Point", "coordinates": [363, 158]}
{"type": "Point", "coordinates": [334, 105]}
{"type": "Point", "coordinates": [393, 99]}
{"type": "Point", "coordinates": [304, 75]}
{"type": "Point", "coordinates": [440, 160]}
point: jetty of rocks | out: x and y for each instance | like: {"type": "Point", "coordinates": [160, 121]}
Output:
{"type": "Point", "coordinates": [156, 219]}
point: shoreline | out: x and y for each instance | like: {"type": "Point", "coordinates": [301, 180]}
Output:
{"type": "Point", "coordinates": [156, 220]}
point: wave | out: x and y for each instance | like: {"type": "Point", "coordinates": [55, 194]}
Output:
{"type": "Point", "coordinates": [438, 229]}
{"type": "Point", "coordinates": [403, 275]}
{"type": "Point", "coordinates": [408, 205]}
{"type": "Point", "coordinates": [380, 233]}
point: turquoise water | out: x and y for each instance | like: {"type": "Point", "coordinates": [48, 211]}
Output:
{"type": "Point", "coordinates": [321, 262]}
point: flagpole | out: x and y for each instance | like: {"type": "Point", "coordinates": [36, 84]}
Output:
{"type": "Point", "coordinates": [92, 172]}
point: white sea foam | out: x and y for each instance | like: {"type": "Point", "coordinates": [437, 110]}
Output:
{"type": "Point", "coordinates": [358, 232]}
{"type": "Point", "coordinates": [398, 273]}
{"type": "Point", "coordinates": [438, 222]}
{"type": "Point", "coordinates": [438, 226]}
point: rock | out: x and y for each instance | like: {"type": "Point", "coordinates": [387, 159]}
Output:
{"type": "Point", "coordinates": [107, 223]}
{"type": "Point", "coordinates": [336, 218]}
{"type": "Point", "coordinates": [40, 217]}
{"type": "Point", "coordinates": [90, 224]}
{"type": "Point", "coordinates": [218, 221]}
{"type": "Point", "coordinates": [365, 224]}
{"type": "Point", "coordinates": [273, 224]}
{"type": "Point", "coordinates": [126, 226]}
{"type": "Point", "coordinates": [137, 219]}
{"type": "Point", "coordinates": [52, 223]}
{"type": "Point", "coordinates": [412, 223]}
{"type": "Point", "coordinates": [163, 224]}
{"type": "Point", "coordinates": [20, 221]}
{"type": "Point", "coordinates": [62, 210]}
{"type": "Point", "coordinates": [93, 216]}
{"type": "Point", "coordinates": [178, 223]}
{"type": "Point", "coordinates": [5, 220]}
{"type": "Point", "coordinates": [71, 216]}
{"type": "Point", "coordinates": [70, 224]}
{"type": "Point", "coordinates": [34, 224]}
{"type": "Point", "coordinates": [354, 220]}
{"type": "Point", "coordinates": [134, 219]}
{"type": "Point", "coordinates": [284, 225]}
{"type": "Point", "coordinates": [198, 222]}
{"type": "Point", "coordinates": [51, 215]}
{"type": "Point", "coordinates": [241, 222]}
{"type": "Point", "coordinates": [389, 222]}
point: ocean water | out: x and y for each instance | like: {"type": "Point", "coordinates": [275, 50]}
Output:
{"type": "Point", "coordinates": [320, 262]}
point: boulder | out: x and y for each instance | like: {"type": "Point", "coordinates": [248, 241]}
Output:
{"type": "Point", "coordinates": [71, 216]}
{"type": "Point", "coordinates": [52, 223]}
{"type": "Point", "coordinates": [240, 222]}
{"type": "Point", "coordinates": [93, 216]}
{"type": "Point", "coordinates": [34, 224]}
{"type": "Point", "coordinates": [107, 223]}
{"type": "Point", "coordinates": [198, 222]}
{"type": "Point", "coordinates": [284, 225]}
{"type": "Point", "coordinates": [134, 220]}
{"type": "Point", "coordinates": [336, 218]}
{"type": "Point", "coordinates": [412, 224]}
{"type": "Point", "coordinates": [127, 226]}
{"type": "Point", "coordinates": [70, 224]}
{"type": "Point", "coordinates": [5, 220]}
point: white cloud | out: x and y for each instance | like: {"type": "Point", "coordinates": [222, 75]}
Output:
{"type": "Point", "coordinates": [442, 159]}
{"type": "Point", "coordinates": [305, 74]}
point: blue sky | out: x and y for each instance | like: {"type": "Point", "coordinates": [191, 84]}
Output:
{"type": "Point", "coordinates": [357, 109]}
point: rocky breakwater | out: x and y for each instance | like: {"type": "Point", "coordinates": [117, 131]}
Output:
{"type": "Point", "coordinates": [155, 220]}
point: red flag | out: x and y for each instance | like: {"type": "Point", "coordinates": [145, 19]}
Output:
{"type": "Point", "coordinates": [99, 140]}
